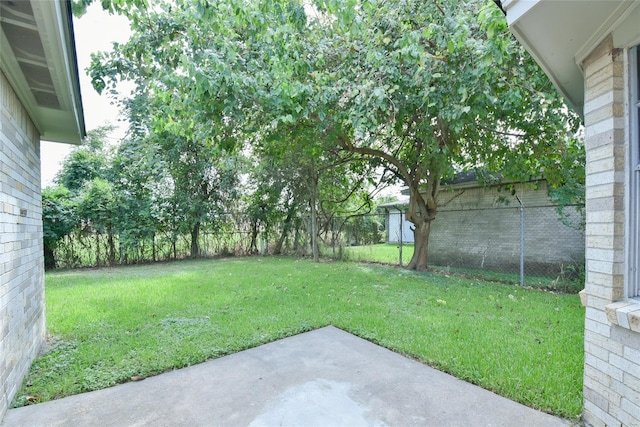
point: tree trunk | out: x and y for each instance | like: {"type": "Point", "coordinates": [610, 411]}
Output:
{"type": "Point", "coordinates": [97, 249]}
{"type": "Point", "coordinates": [153, 246]}
{"type": "Point", "coordinates": [253, 246]}
{"type": "Point", "coordinates": [286, 227]}
{"type": "Point", "coordinates": [49, 258]}
{"type": "Point", "coordinates": [423, 207]}
{"type": "Point", "coordinates": [112, 247]}
{"type": "Point", "coordinates": [122, 251]}
{"type": "Point", "coordinates": [313, 203]}
{"type": "Point", "coordinates": [175, 251]}
{"type": "Point", "coordinates": [421, 246]}
{"type": "Point", "coordinates": [277, 250]}
{"type": "Point", "coordinates": [314, 230]}
{"type": "Point", "coordinates": [195, 237]}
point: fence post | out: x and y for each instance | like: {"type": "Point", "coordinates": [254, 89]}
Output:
{"type": "Point", "coordinates": [521, 240]}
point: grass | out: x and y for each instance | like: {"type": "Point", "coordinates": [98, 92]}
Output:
{"type": "Point", "coordinates": [109, 325]}
{"type": "Point", "coordinates": [387, 253]}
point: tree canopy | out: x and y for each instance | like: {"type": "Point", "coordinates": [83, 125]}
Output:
{"type": "Point", "coordinates": [435, 88]}
{"type": "Point", "coordinates": [422, 89]}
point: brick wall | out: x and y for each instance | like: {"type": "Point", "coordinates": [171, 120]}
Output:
{"type": "Point", "coordinates": [479, 227]}
{"type": "Point", "coordinates": [22, 321]}
{"type": "Point", "coordinates": [612, 352]}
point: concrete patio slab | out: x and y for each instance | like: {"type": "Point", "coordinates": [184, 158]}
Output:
{"type": "Point", "coordinates": [326, 377]}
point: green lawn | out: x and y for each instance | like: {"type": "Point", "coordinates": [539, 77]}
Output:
{"type": "Point", "coordinates": [108, 325]}
{"type": "Point", "coordinates": [386, 253]}
{"type": "Point", "coordinates": [389, 253]}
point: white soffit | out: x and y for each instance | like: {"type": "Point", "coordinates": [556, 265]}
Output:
{"type": "Point", "coordinates": [559, 34]}
{"type": "Point", "coordinates": [38, 57]}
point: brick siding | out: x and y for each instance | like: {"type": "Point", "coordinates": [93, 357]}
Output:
{"type": "Point", "coordinates": [612, 352]}
{"type": "Point", "coordinates": [22, 321]}
{"type": "Point", "coordinates": [479, 227]}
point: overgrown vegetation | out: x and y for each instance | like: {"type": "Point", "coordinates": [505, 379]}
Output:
{"type": "Point", "coordinates": [141, 202]}
{"type": "Point", "coordinates": [109, 325]}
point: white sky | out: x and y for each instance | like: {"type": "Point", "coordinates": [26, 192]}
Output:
{"type": "Point", "coordinates": [95, 31]}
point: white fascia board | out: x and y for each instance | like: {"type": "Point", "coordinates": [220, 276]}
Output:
{"type": "Point", "coordinates": [70, 64]}
{"type": "Point", "coordinates": [516, 9]}
{"type": "Point", "coordinates": [627, 31]}
{"type": "Point", "coordinates": [609, 24]}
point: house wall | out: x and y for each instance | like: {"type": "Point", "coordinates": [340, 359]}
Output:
{"type": "Point", "coordinates": [612, 352]}
{"type": "Point", "coordinates": [22, 320]}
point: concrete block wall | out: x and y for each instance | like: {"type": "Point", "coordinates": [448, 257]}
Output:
{"type": "Point", "coordinates": [612, 346]}
{"type": "Point", "coordinates": [475, 228]}
{"type": "Point", "coordinates": [22, 311]}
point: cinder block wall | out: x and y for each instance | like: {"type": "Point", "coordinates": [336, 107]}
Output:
{"type": "Point", "coordinates": [612, 352]}
{"type": "Point", "coordinates": [22, 320]}
{"type": "Point", "coordinates": [474, 228]}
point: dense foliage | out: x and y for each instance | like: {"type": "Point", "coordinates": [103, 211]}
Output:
{"type": "Point", "coordinates": [321, 99]}
{"type": "Point", "coordinates": [142, 200]}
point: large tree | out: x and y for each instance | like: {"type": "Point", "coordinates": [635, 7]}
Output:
{"type": "Point", "coordinates": [191, 87]}
{"type": "Point", "coordinates": [433, 88]}
{"type": "Point", "coordinates": [315, 174]}
{"type": "Point", "coordinates": [204, 76]}
{"type": "Point", "coordinates": [138, 175]}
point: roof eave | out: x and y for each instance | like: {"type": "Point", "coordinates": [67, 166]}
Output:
{"type": "Point", "coordinates": [55, 26]}
{"type": "Point", "coordinates": [65, 23]}
{"type": "Point", "coordinates": [560, 34]}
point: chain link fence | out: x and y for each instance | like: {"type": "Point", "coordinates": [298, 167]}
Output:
{"type": "Point", "coordinates": [511, 244]}
{"type": "Point", "coordinates": [532, 246]}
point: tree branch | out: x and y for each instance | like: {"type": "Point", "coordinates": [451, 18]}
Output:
{"type": "Point", "coordinates": [452, 199]}
{"type": "Point", "coordinates": [372, 152]}
{"type": "Point", "coordinates": [515, 135]}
